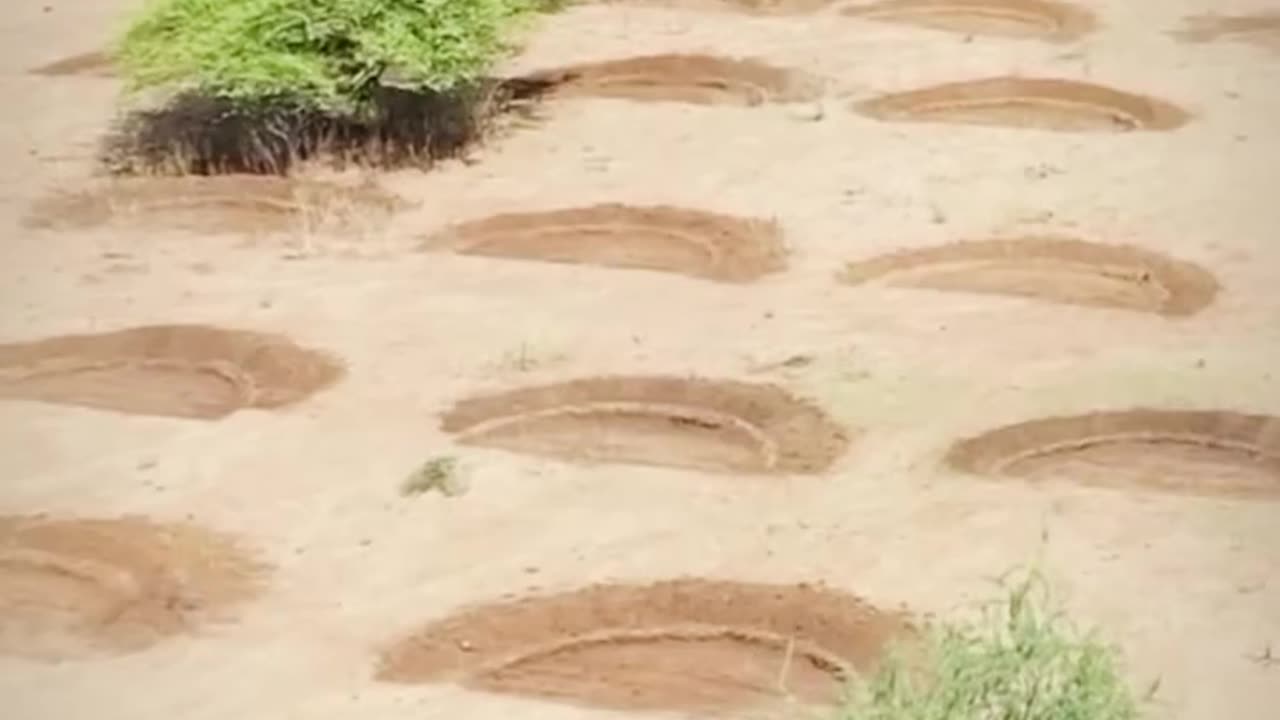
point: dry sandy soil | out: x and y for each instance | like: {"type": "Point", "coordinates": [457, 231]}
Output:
{"type": "Point", "coordinates": [847, 315]}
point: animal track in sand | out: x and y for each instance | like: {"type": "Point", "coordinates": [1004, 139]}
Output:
{"type": "Point", "coordinates": [1042, 19]}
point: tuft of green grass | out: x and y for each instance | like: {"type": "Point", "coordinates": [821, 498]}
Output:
{"type": "Point", "coordinates": [439, 473]}
{"type": "Point", "coordinates": [330, 55]}
{"type": "Point", "coordinates": [1020, 659]}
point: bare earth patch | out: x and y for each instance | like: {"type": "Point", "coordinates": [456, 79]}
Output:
{"type": "Point", "coordinates": [695, 79]}
{"type": "Point", "coordinates": [236, 203]}
{"type": "Point", "coordinates": [83, 588]}
{"type": "Point", "coordinates": [1053, 269]}
{"type": "Point", "coordinates": [669, 239]}
{"type": "Point", "coordinates": [186, 371]}
{"type": "Point", "coordinates": [1191, 452]}
{"type": "Point", "coordinates": [710, 425]}
{"type": "Point", "coordinates": [1262, 29]}
{"type": "Point", "coordinates": [1032, 103]}
{"type": "Point", "coordinates": [1052, 21]}
{"type": "Point", "coordinates": [689, 644]}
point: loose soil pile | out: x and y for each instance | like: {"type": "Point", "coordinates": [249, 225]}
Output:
{"type": "Point", "coordinates": [1053, 269]}
{"type": "Point", "coordinates": [690, 644]}
{"type": "Point", "coordinates": [222, 203]}
{"type": "Point", "coordinates": [677, 240]}
{"type": "Point", "coordinates": [695, 79]}
{"type": "Point", "coordinates": [1049, 21]}
{"type": "Point", "coordinates": [1189, 452]}
{"type": "Point", "coordinates": [83, 588]}
{"type": "Point", "coordinates": [714, 426]}
{"type": "Point", "coordinates": [1031, 103]}
{"type": "Point", "coordinates": [186, 371]}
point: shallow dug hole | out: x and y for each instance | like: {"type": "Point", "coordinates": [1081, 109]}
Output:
{"type": "Point", "coordinates": [1052, 21]}
{"type": "Point", "coordinates": [220, 203]}
{"type": "Point", "coordinates": [186, 371]}
{"type": "Point", "coordinates": [669, 239]}
{"type": "Point", "coordinates": [696, 79]}
{"type": "Point", "coordinates": [689, 644]}
{"type": "Point", "coordinates": [1032, 103]}
{"type": "Point", "coordinates": [1053, 269]}
{"type": "Point", "coordinates": [1191, 452]}
{"type": "Point", "coordinates": [83, 588]}
{"type": "Point", "coordinates": [717, 426]}
{"type": "Point", "coordinates": [1262, 29]}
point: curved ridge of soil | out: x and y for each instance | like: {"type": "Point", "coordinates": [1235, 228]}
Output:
{"type": "Point", "coordinates": [709, 425]}
{"type": "Point", "coordinates": [1044, 19]}
{"type": "Point", "coordinates": [689, 242]}
{"type": "Point", "coordinates": [239, 203]}
{"type": "Point", "coordinates": [1195, 452]}
{"type": "Point", "coordinates": [685, 644]}
{"type": "Point", "coordinates": [83, 588]}
{"type": "Point", "coordinates": [1052, 104]}
{"type": "Point", "coordinates": [185, 371]}
{"type": "Point", "coordinates": [1262, 29]}
{"type": "Point", "coordinates": [92, 64]}
{"type": "Point", "coordinates": [1053, 269]}
{"type": "Point", "coordinates": [749, 7]}
{"type": "Point", "coordinates": [687, 78]}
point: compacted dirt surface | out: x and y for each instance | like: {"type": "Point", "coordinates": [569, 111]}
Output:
{"type": "Point", "coordinates": [778, 328]}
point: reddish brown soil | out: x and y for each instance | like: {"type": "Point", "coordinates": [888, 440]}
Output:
{"type": "Point", "coordinates": [1033, 103]}
{"type": "Point", "coordinates": [696, 79]}
{"type": "Point", "coordinates": [1041, 19]}
{"type": "Point", "coordinates": [188, 371]}
{"type": "Point", "coordinates": [1053, 269]}
{"type": "Point", "coordinates": [708, 425]}
{"type": "Point", "coordinates": [80, 588]}
{"type": "Point", "coordinates": [677, 240]}
{"type": "Point", "coordinates": [1190, 452]}
{"type": "Point", "coordinates": [693, 645]}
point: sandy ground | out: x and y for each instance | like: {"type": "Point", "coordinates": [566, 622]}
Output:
{"type": "Point", "coordinates": [1189, 585]}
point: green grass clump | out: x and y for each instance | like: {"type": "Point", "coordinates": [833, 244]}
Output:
{"type": "Point", "coordinates": [322, 54]}
{"type": "Point", "coordinates": [1020, 660]}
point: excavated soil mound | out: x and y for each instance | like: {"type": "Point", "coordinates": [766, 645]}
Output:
{"type": "Point", "coordinates": [76, 589]}
{"type": "Point", "coordinates": [717, 426]}
{"type": "Point", "coordinates": [231, 203]}
{"type": "Point", "coordinates": [1031, 103]}
{"type": "Point", "coordinates": [93, 64]}
{"type": "Point", "coordinates": [1191, 452]}
{"type": "Point", "coordinates": [689, 242]}
{"type": "Point", "coordinates": [1059, 270]}
{"type": "Point", "coordinates": [689, 644]}
{"type": "Point", "coordinates": [187, 371]}
{"type": "Point", "coordinates": [1262, 29]}
{"type": "Point", "coordinates": [696, 79]}
{"type": "Point", "coordinates": [1052, 21]}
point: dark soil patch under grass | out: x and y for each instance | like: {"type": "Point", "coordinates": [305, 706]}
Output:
{"type": "Point", "coordinates": [206, 135]}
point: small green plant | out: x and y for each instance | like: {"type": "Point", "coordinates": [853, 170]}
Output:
{"type": "Point", "coordinates": [440, 473]}
{"type": "Point", "coordinates": [327, 54]}
{"type": "Point", "coordinates": [1020, 660]}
